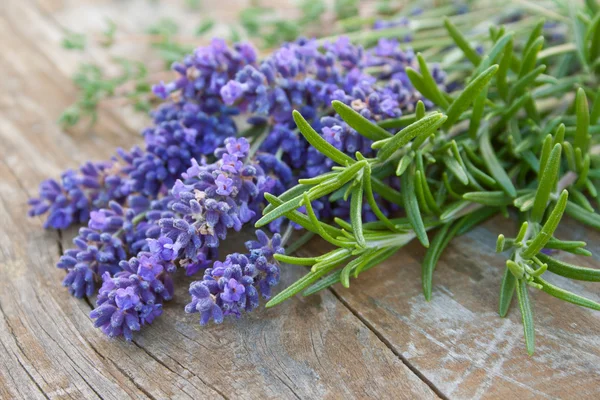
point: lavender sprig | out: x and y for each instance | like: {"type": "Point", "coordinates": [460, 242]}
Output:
{"type": "Point", "coordinates": [233, 286]}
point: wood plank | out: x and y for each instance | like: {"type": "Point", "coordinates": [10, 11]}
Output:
{"type": "Point", "coordinates": [458, 341]}
{"type": "Point", "coordinates": [312, 348]}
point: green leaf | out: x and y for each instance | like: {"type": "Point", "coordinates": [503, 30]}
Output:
{"type": "Point", "coordinates": [425, 126]}
{"type": "Point", "coordinates": [477, 113]}
{"type": "Point", "coordinates": [570, 271]}
{"type": "Point", "coordinates": [503, 69]}
{"type": "Point", "coordinates": [468, 95]}
{"type": "Point", "coordinates": [546, 185]}
{"type": "Point", "coordinates": [367, 182]}
{"type": "Point", "coordinates": [319, 143]}
{"type": "Point", "coordinates": [536, 32]}
{"type": "Point", "coordinates": [507, 290]}
{"type": "Point", "coordinates": [525, 202]}
{"type": "Point", "coordinates": [405, 161]}
{"type": "Point", "coordinates": [411, 205]}
{"type": "Point", "coordinates": [593, 37]}
{"type": "Point", "coordinates": [595, 113]}
{"type": "Point", "coordinates": [499, 47]}
{"type": "Point", "coordinates": [582, 137]}
{"type": "Point", "coordinates": [295, 260]}
{"type": "Point", "coordinates": [395, 123]}
{"type": "Point", "coordinates": [462, 42]}
{"type": "Point", "coordinates": [359, 123]}
{"type": "Point", "coordinates": [538, 242]}
{"type": "Point", "coordinates": [356, 204]}
{"type": "Point", "coordinates": [565, 295]}
{"type": "Point", "coordinates": [546, 149]}
{"type": "Point", "coordinates": [527, 315]}
{"type": "Point", "coordinates": [453, 209]}
{"type": "Point", "coordinates": [385, 191]}
{"type": "Point", "coordinates": [530, 57]}
{"type": "Point", "coordinates": [289, 194]}
{"type": "Point", "coordinates": [528, 79]}
{"type": "Point", "coordinates": [575, 247]}
{"type": "Point", "coordinates": [456, 169]}
{"type": "Point", "coordinates": [431, 85]}
{"type": "Point", "coordinates": [493, 165]}
{"type": "Point", "coordinates": [438, 244]}
{"type": "Point", "coordinates": [495, 198]}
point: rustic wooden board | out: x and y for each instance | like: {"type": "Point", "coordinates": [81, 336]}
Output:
{"type": "Point", "coordinates": [380, 339]}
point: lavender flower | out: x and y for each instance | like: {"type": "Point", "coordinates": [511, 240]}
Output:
{"type": "Point", "coordinates": [133, 297]}
{"type": "Point", "coordinates": [233, 286]}
{"type": "Point", "coordinates": [214, 198]}
{"type": "Point", "coordinates": [112, 235]}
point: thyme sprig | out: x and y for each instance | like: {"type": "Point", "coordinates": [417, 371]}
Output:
{"type": "Point", "coordinates": [519, 138]}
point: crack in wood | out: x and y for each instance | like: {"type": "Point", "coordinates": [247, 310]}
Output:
{"type": "Point", "coordinates": [391, 347]}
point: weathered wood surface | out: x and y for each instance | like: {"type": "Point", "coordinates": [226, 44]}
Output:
{"type": "Point", "coordinates": [379, 339]}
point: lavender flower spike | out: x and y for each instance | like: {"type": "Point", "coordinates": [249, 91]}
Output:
{"type": "Point", "coordinates": [233, 286]}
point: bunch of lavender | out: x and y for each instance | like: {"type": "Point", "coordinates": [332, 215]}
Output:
{"type": "Point", "coordinates": [307, 77]}
{"type": "Point", "coordinates": [193, 123]}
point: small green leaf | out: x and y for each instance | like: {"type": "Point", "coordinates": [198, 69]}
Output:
{"type": "Point", "coordinates": [507, 290]}
{"type": "Point", "coordinates": [356, 204]}
{"type": "Point", "coordinates": [425, 126]}
{"type": "Point", "coordinates": [527, 315]}
{"type": "Point", "coordinates": [319, 143]}
{"type": "Point", "coordinates": [299, 285]}
{"type": "Point", "coordinates": [536, 32]}
{"type": "Point", "coordinates": [359, 123]}
{"type": "Point", "coordinates": [495, 198]}
{"type": "Point", "coordinates": [500, 242]}
{"type": "Point", "coordinates": [503, 69]}
{"type": "Point", "coordinates": [404, 162]}
{"type": "Point", "coordinates": [477, 113]}
{"type": "Point", "coordinates": [546, 149]}
{"type": "Point", "coordinates": [462, 42]}
{"type": "Point", "coordinates": [439, 242]}
{"type": "Point", "coordinates": [468, 95]}
{"type": "Point", "coordinates": [582, 137]}
{"type": "Point", "coordinates": [566, 295]}
{"type": "Point", "coordinates": [453, 209]}
{"type": "Point", "coordinates": [431, 85]}
{"type": "Point", "coordinates": [456, 169]}
{"type": "Point", "coordinates": [525, 202]}
{"type": "Point", "coordinates": [546, 185]}
{"type": "Point", "coordinates": [411, 206]}
{"type": "Point", "coordinates": [289, 194]}
{"type": "Point", "coordinates": [530, 57]}
{"type": "Point", "coordinates": [493, 165]}
{"type": "Point", "coordinates": [528, 79]}
{"type": "Point", "coordinates": [295, 260]}
{"type": "Point", "coordinates": [570, 271]}
{"type": "Point", "coordinates": [538, 242]}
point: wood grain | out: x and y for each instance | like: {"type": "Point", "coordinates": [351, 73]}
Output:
{"type": "Point", "coordinates": [379, 339]}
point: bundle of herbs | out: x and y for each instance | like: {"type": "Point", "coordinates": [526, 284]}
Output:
{"type": "Point", "coordinates": [385, 145]}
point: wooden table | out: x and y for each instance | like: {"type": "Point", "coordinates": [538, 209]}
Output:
{"type": "Point", "coordinates": [379, 339]}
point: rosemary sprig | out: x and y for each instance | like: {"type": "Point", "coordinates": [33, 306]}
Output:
{"type": "Point", "coordinates": [513, 138]}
